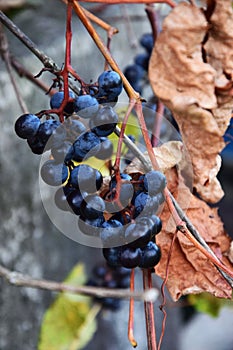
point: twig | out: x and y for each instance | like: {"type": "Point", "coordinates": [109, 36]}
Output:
{"type": "Point", "coordinates": [128, 26]}
{"type": "Point", "coordinates": [46, 60]}
{"type": "Point", "coordinates": [22, 280]}
{"type": "Point", "coordinates": [136, 151]}
{"type": "Point", "coordinates": [24, 73]}
{"type": "Point", "coordinates": [4, 51]}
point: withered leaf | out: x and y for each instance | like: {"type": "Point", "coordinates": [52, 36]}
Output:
{"type": "Point", "coordinates": [189, 270]}
{"type": "Point", "coordinates": [187, 85]}
{"type": "Point", "coordinates": [168, 155]}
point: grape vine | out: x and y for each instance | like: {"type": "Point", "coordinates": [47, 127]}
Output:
{"type": "Point", "coordinates": [123, 212]}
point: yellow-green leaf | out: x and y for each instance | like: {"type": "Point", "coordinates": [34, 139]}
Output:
{"type": "Point", "coordinates": [207, 303]}
{"type": "Point", "coordinates": [69, 323]}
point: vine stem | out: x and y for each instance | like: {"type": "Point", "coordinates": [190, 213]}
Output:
{"type": "Point", "coordinates": [23, 280]}
{"type": "Point", "coordinates": [103, 49]}
{"type": "Point", "coordinates": [149, 312]}
{"type": "Point", "coordinates": [145, 134]}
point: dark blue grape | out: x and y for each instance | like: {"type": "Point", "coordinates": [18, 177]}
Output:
{"type": "Point", "coordinates": [60, 153]}
{"type": "Point", "coordinates": [88, 226]}
{"type": "Point", "coordinates": [140, 202]}
{"type": "Point", "coordinates": [53, 173]}
{"type": "Point", "coordinates": [74, 128]}
{"type": "Point", "coordinates": [147, 41]}
{"type": "Point", "coordinates": [57, 99]}
{"type": "Point", "coordinates": [157, 227]}
{"type": "Point", "coordinates": [150, 256]}
{"type": "Point", "coordinates": [110, 86]}
{"type": "Point", "coordinates": [106, 149]}
{"type": "Point", "coordinates": [125, 195]}
{"type": "Point", "coordinates": [86, 146]}
{"type": "Point", "coordinates": [110, 303]}
{"type": "Point", "coordinates": [75, 199]}
{"type": "Point", "coordinates": [86, 178]}
{"type": "Point", "coordinates": [138, 234]}
{"type": "Point", "coordinates": [58, 136]}
{"type": "Point", "coordinates": [46, 129]}
{"type": "Point", "coordinates": [104, 122]}
{"type": "Point", "coordinates": [130, 257]}
{"type": "Point", "coordinates": [100, 271]}
{"type": "Point", "coordinates": [142, 60]}
{"type": "Point", "coordinates": [86, 106]}
{"type": "Point", "coordinates": [92, 206]}
{"type": "Point", "coordinates": [61, 200]}
{"type": "Point", "coordinates": [36, 145]}
{"type": "Point", "coordinates": [112, 233]}
{"type": "Point", "coordinates": [134, 73]}
{"type": "Point", "coordinates": [154, 182]}
{"type": "Point", "coordinates": [27, 125]}
{"type": "Point", "coordinates": [122, 217]}
{"type": "Point", "coordinates": [112, 256]}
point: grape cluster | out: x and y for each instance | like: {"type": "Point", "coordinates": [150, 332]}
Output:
{"type": "Point", "coordinates": [136, 72]}
{"type": "Point", "coordinates": [123, 215]}
{"type": "Point", "coordinates": [107, 277]}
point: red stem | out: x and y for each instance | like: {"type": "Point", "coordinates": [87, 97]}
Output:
{"type": "Point", "coordinates": [131, 313]}
{"type": "Point", "coordinates": [157, 124]}
{"type": "Point", "coordinates": [149, 312]}
{"type": "Point", "coordinates": [138, 109]}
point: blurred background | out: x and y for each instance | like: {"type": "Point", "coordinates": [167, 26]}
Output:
{"type": "Point", "coordinates": [30, 243]}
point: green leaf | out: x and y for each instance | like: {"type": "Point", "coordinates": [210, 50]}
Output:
{"type": "Point", "coordinates": [207, 303]}
{"type": "Point", "coordinates": [69, 323]}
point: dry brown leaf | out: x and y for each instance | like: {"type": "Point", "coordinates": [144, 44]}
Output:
{"type": "Point", "coordinates": [187, 85]}
{"type": "Point", "coordinates": [219, 49]}
{"type": "Point", "coordinates": [168, 155]}
{"type": "Point", "coordinates": [189, 270]}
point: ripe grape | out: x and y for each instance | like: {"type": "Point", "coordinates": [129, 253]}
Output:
{"type": "Point", "coordinates": [150, 256]}
{"type": "Point", "coordinates": [27, 125]}
{"type": "Point", "coordinates": [92, 206]}
{"type": "Point", "coordinates": [53, 173]}
{"type": "Point", "coordinates": [105, 121]}
{"type": "Point", "coordinates": [86, 145]}
{"type": "Point", "coordinates": [86, 106]}
{"type": "Point", "coordinates": [110, 86]}
{"type": "Point", "coordinates": [57, 99]}
{"type": "Point", "coordinates": [86, 178]}
{"type": "Point", "coordinates": [154, 182]}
